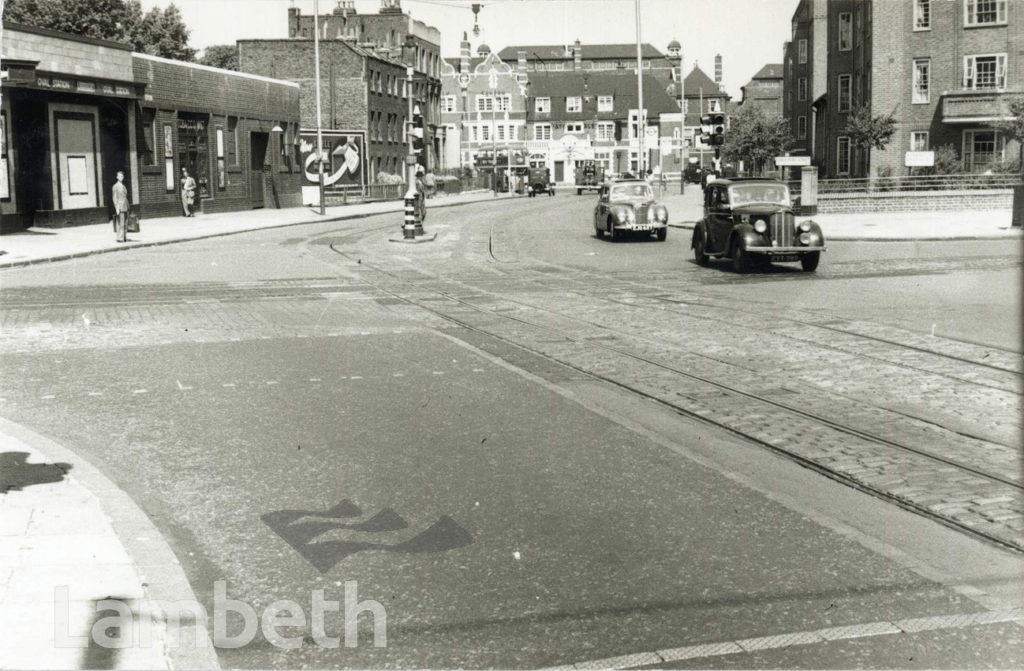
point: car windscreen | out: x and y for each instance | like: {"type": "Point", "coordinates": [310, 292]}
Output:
{"type": "Point", "coordinates": [631, 191]}
{"type": "Point", "coordinates": [745, 194]}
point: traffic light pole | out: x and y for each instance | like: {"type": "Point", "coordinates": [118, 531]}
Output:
{"type": "Point", "coordinates": [411, 216]}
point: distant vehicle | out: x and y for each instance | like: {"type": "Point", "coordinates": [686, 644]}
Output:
{"type": "Point", "coordinates": [538, 180]}
{"type": "Point", "coordinates": [751, 221]}
{"type": "Point", "coordinates": [692, 173]}
{"type": "Point", "coordinates": [589, 176]}
{"type": "Point", "coordinates": [629, 205]}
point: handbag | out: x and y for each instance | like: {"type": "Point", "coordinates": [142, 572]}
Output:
{"type": "Point", "coordinates": [133, 223]}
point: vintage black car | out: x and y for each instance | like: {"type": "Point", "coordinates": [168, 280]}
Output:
{"type": "Point", "coordinates": [750, 221]}
{"type": "Point", "coordinates": [538, 180]}
{"type": "Point", "coordinates": [629, 205]}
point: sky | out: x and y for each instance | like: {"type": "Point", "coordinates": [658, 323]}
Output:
{"type": "Point", "coordinates": [747, 33]}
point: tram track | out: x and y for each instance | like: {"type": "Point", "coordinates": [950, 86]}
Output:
{"type": "Point", "coordinates": [453, 306]}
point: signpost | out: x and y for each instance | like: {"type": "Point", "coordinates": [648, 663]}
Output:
{"type": "Point", "coordinates": [787, 161]}
{"type": "Point", "coordinates": [919, 159]}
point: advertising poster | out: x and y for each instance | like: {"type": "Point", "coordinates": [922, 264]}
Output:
{"type": "Point", "coordinates": [344, 158]}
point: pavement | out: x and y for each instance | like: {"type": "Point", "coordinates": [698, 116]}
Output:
{"type": "Point", "coordinates": [37, 245]}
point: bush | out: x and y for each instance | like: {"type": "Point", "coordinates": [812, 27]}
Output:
{"type": "Point", "coordinates": [388, 178]}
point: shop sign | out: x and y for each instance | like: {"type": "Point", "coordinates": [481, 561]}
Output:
{"type": "Point", "coordinates": [85, 87]}
{"type": "Point", "coordinates": [191, 124]}
{"type": "Point", "coordinates": [343, 157]}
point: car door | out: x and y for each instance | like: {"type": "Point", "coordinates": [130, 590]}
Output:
{"type": "Point", "coordinates": [601, 211]}
{"type": "Point", "coordinates": [720, 217]}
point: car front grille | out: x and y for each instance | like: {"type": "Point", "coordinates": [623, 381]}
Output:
{"type": "Point", "coordinates": [781, 226]}
{"type": "Point", "coordinates": [641, 214]}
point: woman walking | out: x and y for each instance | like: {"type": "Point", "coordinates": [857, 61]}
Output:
{"type": "Point", "coordinates": [188, 193]}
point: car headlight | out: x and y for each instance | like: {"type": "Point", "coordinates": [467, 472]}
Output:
{"type": "Point", "coordinates": [662, 214]}
{"type": "Point", "coordinates": [805, 238]}
{"type": "Point", "coordinates": [805, 226]}
{"type": "Point", "coordinates": [760, 225]}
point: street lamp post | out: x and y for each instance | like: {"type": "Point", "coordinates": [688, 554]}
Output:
{"type": "Point", "coordinates": [682, 124]}
{"type": "Point", "coordinates": [641, 124]}
{"type": "Point", "coordinates": [319, 120]}
{"type": "Point", "coordinates": [409, 225]}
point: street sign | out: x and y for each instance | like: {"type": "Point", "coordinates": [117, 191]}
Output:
{"type": "Point", "coordinates": [781, 161]}
{"type": "Point", "coordinates": [919, 159]}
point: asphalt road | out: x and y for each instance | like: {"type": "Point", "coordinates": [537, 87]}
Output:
{"type": "Point", "coordinates": [502, 518]}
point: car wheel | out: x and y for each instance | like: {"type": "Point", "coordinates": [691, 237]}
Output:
{"type": "Point", "coordinates": [599, 232]}
{"type": "Point", "coordinates": [662, 234]}
{"type": "Point", "coordinates": [740, 259]}
{"type": "Point", "coordinates": [612, 233]}
{"type": "Point", "coordinates": [809, 262]}
{"type": "Point", "coordinates": [579, 192]}
{"type": "Point", "coordinates": [699, 249]}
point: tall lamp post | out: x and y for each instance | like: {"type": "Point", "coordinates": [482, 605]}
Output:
{"type": "Point", "coordinates": [641, 124]}
{"type": "Point", "coordinates": [682, 125]}
{"type": "Point", "coordinates": [319, 120]}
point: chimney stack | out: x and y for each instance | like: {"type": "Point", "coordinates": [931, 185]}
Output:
{"type": "Point", "coordinates": [293, 21]}
{"type": "Point", "coordinates": [718, 70]}
{"type": "Point", "coordinates": [464, 53]}
{"type": "Point", "coordinates": [521, 61]}
{"type": "Point", "coordinates": [577, 56]}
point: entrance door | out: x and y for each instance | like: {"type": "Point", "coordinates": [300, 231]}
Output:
{"type": "Point", "coordinates": [257, 155]}
{"type": "Point", "coordinates": [559, 171]}
{"type": "Point", "coordinates": [76, 163]}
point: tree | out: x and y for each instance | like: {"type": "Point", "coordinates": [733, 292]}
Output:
{"type": "Point", "coordinates": [221, 56]}
{"type": "Point", "coordinates": [159, 33]}
{"type": "Point", "coordinates": [1013, 128]}
{"type": "Point", "coordinates": [755, 138]}
{"type": "Point", "coordinates": [869, 132]}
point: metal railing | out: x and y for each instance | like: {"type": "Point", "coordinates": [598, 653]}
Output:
{"type": "Point", "coordinates": [917, 183]}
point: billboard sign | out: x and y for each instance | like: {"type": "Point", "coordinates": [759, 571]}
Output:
{"type": "Point", "coordinates": [919, 159]}
{"type": "Point", "coordinates": [344, 157]}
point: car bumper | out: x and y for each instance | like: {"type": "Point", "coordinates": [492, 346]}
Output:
{"type": "Point", "coordinates": [784, 250]}
{"type": "Point", "coordinates": [653, 226]}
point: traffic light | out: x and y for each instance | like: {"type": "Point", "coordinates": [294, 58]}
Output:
{"type": "Point", "coordinates": [417, 136]}
{"type": "Point", "coordinates": [717, 129]}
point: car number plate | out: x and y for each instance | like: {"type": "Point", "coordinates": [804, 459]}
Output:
{"type": "Point", "coordinates": [643, 227]}
{"type": "Point", "coordinates": [783, 258]}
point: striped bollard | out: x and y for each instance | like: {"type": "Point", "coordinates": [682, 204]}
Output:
{"type": "Point", "coordinates": [409, 227]}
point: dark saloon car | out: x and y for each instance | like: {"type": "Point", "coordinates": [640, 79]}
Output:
{"type": "Point", "coordinates": [751, 220]}
{"type": "Point", "coordinates": [629, 205]}
{"type": "Point", "coordinates": [538, 180]}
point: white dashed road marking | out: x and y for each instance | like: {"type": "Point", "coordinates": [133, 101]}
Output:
{"type": "Point", "coordinates": [141, 391]}
{"type": "Point", "coordinates": [181, 386]}
{"type": "Point", "coordinates": [881, 628]}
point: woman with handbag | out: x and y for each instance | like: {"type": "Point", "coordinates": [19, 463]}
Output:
{"type": "Point", "coordinates": [188, 193]}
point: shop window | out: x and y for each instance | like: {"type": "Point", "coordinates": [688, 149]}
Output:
{"type": "Point", "coordinates": [148, 149]}
{"type": "Point", "coordinates": [222, 176]}
{"type": "Point", "coordinates": [232, 141]}
{"type": "Point", "coordinates": [5, 170]}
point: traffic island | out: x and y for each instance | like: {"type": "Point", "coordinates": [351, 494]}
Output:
{"type": "Point", "coordinates": [426, 237]}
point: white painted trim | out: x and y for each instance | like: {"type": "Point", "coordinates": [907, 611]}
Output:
{"type": "Point", "coordinates": [51, 110]}
{"type": "Point", "coordinates": [208, 68]}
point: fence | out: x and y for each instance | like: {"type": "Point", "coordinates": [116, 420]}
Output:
{"type": "Point", "coordinates": [916, 183]}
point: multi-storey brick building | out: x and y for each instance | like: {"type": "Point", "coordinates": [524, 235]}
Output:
{"type": "Point", "coordinates": [391, 35]}
{"type": "Point", "coordinates": [583, 57]}
{"type": "Point", "coordinates": [944, 69]}
{"type": "Point", "coordinates": [76, 110]}
{"type": "Point", "coordinates": [764, 91]}
{"type": "Point", "coordinates": [483, 109]}
{"type": "Point", "coordinates": [805, 58]}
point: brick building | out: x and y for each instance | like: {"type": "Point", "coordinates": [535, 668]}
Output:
{"type": "Point", "coordinates": [764, 91]}
{"type": "Point", "coordinates": [389, 36]}
{"type": "Point", "coordinates": [483, 109]}
{"type": "Point", "coordinates": [945, 69]}
{"type": "Point", "coordinates": [77, 110]}
{"type": "Point", "coordinates": [578, 57]}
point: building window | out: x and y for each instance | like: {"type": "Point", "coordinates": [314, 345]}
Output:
{"type": "Point", "coordinates": [983, 149]}
{"type": "Point", "coordinates": [573, 104]}
{"type": "Point", "coordinates": [448, 104]}
{"type": "Point", "coordinates": [919, 140]}
{"type": "Point", "coordinates": [714, 105]}
{"type": "Point", "coordinates": [801, 88]}
{"type": "Point", "coordinates": [922, 14]}
{"type": "Point", "coordinates": [149, 132]}
{"type": "Point", "coordinates": [802, 51]}
{"type": "Point", "coordinates": [922, 68]}
{"type": "Point", "coordinates": [984, 12]}
{"type": "Point", "coordinates": [985, 72]}
{"type": "Point", "coordinates": [485, 132]}
{"type": "Point", "coordinates": [845, 31]}
{"type": "Point", "coordinates": [574, 127]}
{"type": "Point", "coordinates": [845, 102]}
{"type": "Point", "coordinates": [843, 155]}
{"type": "Point", "coordinates": [484, 104]}
{"type": "Point", "coordinates": [605, 104]}
{"type": "Point", "coordinates": [542, 106]}
{"type": "Point", "coordinates": [801, 128]}
{"type": "Point", "coordinates": [501, 131]}
{"type": "Point", "coordinates": [542, 131]}
{"type": "Point", "coordinates": [503, 102]}
{"type": "Point", "coordinates": [606, 130]}
{"type": "Point", "coordinates": [475, 133]}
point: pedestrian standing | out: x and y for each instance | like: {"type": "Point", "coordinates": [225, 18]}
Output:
{"type": "Point", "coordinates": [430, 182]}
{"type": "Point", "coordinates": [120, 197]}
{"type": "Point", "coordinates": [188, 193]}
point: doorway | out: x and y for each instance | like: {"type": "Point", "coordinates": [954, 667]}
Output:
{"type": "Point", "coordinates": [258, 143]}
{"type": "Point", "coordinates": [76, 161]}
{"type": "Point", "coordinates": [559, 171]}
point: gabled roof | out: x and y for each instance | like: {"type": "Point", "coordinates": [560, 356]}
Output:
{"type": "Point", "coordinates": [770, 71]}
{"type": "Point", "coordinates": [559, 85]}
{"type": "Point", "coordinates": [556, 52]}
{"type": "Point", "coordinates": [697, 81]}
